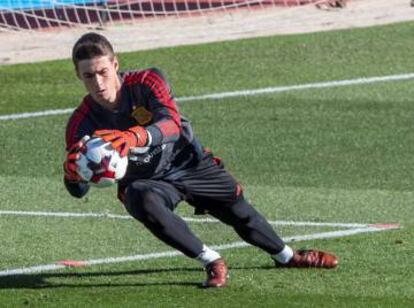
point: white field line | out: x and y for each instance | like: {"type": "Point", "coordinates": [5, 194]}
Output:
{"type": "Point", "coordinates": [169, 254]}
{"type": "Point", "coordinates": [26, 115]}
{"type": "Point", "coordinates": [63, 214]}
{"type": "Point", "coordinates": [317, 85]}
{"type": "Point", "coordinates": [189, 219]}
{"type": "Point", "coordinates": [252, 92]}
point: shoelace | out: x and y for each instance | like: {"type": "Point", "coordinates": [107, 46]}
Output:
{"type": "Point", "coordinates": [311, 257]}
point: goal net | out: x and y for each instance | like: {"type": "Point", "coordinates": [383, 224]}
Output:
{"type": "Point", "coordinates": [52, 14]}
{"type": "Point", "coordinates": [34, 30]}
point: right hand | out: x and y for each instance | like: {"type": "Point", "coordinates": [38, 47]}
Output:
{"type": "Point", "coordinates": [69, 165]}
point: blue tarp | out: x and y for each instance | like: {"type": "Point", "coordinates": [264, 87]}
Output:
{"type": "Point", "coordinates": [43, 4]}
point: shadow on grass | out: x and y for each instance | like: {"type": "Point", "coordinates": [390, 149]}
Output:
{"type": "Point", "coordinates": [103, 279]}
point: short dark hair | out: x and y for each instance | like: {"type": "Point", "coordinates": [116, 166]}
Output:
{"type": "Point", "coordinates": [91, 45]}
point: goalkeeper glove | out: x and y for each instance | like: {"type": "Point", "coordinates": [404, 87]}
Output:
{"type": "Point", "coordinates": [122, 141]}
{"type": "Point", "coordinates": [69, 165]}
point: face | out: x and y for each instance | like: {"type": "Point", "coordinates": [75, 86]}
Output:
{"type": "Point", "coordinates": [99, 75]}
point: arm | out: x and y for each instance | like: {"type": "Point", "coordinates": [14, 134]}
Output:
{"type": "Point", "coordinates": [73, 182]}
{"type": "Point", "coordinates": [166, 125]}
{"type": "Point", "coordinates": [166, 122]}
{"type": "Point", "coordinates": [74, 143]}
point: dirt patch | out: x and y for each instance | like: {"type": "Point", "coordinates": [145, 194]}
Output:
{"type": "Point", "coordinates": [23, 47]}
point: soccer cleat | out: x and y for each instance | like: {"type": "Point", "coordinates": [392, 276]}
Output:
{"type": "Point", "coordinates": [217, 274]}
{"type": "Point", "coordinates": [311, 258]}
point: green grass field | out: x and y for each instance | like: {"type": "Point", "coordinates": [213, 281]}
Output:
{"type": "Point", "coordinates": [336, 154]}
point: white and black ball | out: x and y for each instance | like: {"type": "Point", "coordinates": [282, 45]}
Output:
{"type": "Point", "coordinates": [100, 164]}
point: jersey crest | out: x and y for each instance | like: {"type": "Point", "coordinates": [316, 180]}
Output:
{"type": "Point", "coordinates": [142, 115]}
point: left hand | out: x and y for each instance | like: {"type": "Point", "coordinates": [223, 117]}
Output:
{"type": "Point", "coordinates": [122, 141]}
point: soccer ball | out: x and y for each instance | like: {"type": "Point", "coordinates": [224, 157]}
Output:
{"type": "Point", "coordinates": [99, 164]}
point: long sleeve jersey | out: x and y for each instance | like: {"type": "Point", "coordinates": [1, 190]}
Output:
{"type": "Point", "coordinates": [145, 100]}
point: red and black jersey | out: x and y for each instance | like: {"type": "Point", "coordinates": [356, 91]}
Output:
{"type": "Point", "coordinates": [146, 100]}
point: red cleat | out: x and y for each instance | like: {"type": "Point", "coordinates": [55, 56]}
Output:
{"type": "Point", "coordinates": [311, 258]}
{"type": "Point", "coordinates": [217, 274]}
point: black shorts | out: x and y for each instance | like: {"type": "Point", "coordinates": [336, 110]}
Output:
{"type": "Point", "coordinates": [204, 186]}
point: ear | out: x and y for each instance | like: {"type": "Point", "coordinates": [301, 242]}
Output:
{"type": "Point", "coordinates": [116, 64]}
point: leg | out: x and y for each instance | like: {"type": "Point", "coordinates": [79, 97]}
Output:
{"type": "Point", "coordinates": [254, 229]}
{"type": "Point", "coordinates": [213, 189]}
{"type": "Point", "coordinates": [210, 187]}
{"type": "Point", "coordinates": [249, 224]}
{"type": "Point", "coordinates": [152, 202]}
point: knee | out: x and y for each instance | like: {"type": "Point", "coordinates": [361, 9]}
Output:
{"type": "Point", "coordinates": [244, 214]}
{"type": "Point", "coordinates": [139, 200]}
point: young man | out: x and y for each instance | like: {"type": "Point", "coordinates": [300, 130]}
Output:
{"type": "Point", "coordinates": [135, 112]}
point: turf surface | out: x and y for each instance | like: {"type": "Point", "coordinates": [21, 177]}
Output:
{"type": "Point", "coordinates": [332, 155]}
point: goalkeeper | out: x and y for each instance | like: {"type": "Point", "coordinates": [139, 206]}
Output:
{"type": "Point", "coordinates": [135, 111]}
